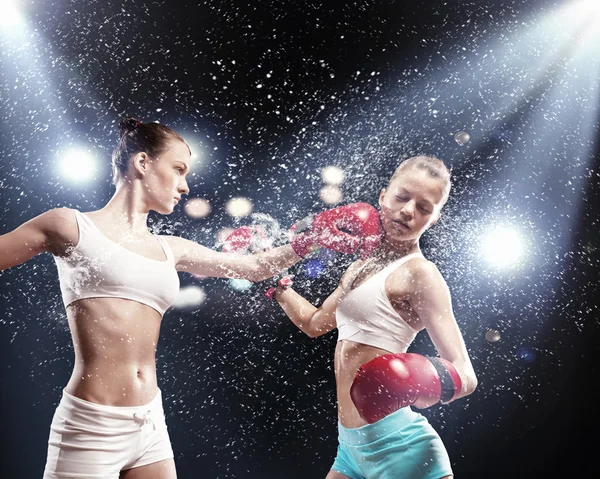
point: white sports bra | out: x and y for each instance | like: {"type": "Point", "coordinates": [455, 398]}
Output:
{"type": "Point", "coordinates": [365, 314]}
{"type": "Point", "coordinates": [99, 268]}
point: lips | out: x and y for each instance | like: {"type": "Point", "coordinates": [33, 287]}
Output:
{"type": "Point", "coordinates": [401, 224]}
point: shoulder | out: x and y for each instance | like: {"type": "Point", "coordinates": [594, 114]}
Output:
{"type": "Point", "coordinates": [426, 278]}
{"type": "Point", "coordinates": [177, 243]}
{"type": "Point", "coordinates": [421, 267]}
{"type": "Point", "coordinates": [420, 271]}
{"type": "Point", "coordinates": [56, 220]}
{"type": "Point", "coordinates": [59, 226]}
{"type": "Point", "coordinates": [185, 250]}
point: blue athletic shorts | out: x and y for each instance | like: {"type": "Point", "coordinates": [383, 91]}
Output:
{"type": "Point", "coordinates": [402, 445]}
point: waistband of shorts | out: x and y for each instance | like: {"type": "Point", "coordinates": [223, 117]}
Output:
{"type": "Point", "coordinates": [369, 432]}
{"type": "Point", "coordinates": [115, 411]}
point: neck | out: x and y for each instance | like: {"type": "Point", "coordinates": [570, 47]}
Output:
{"type": "Point", "coordinates": [391, 250]}
{"type": "Point", "coordinates": [127, 208]}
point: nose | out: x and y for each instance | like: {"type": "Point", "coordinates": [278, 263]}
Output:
{"type": "Point", "coordinates": [183, 188]}
{"type": "Point", "coordinates": [408, 209]}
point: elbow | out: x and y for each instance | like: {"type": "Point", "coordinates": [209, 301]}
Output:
{"type": "Point", "coordinates": [469, 384]}
{"type": "Point", "coordinates": [473, 385]}
{"type": "Point", "coordinates": [312, 334]}
{"type": "Point", "coordinates": [315, 333]}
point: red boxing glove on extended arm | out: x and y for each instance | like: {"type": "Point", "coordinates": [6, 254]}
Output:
{"type": "Point", "coordinates": [393, 381]}
{"type": "Point", "coordinates": [344, 229]}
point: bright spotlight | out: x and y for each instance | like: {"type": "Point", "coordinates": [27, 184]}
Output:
{"type": "Point", "coordinates": [9, 14]}
{"type": "Point", "coordinates": [78, 165]}
{"type": "Point", "coordinates": [588, 6]}
{"type": "Point", "coordinates": [502, 247]}
{"type": "Point", "coordinates": [239, 207]}
{"type": "Point", "coordinates": [332, 175]}
{"type": "Point", "coordinates": [189, 297]}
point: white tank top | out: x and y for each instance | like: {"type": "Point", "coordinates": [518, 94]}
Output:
{"type": "Point", "coordinates": [365, 314]}
{"type": "Point", "coordinates": [100, 268]}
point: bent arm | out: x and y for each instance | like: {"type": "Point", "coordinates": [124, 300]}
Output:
{"type": "Point", "coordinates": [38, 235]}
{"type": "Point", "coordinates": [432, 302]}
{"type": "Point", "coordinates": [309, 319]}
{"type": "Point", "coordinates": [196, 259]}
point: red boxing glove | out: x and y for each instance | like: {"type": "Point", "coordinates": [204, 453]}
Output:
{"type": "Point", "coordinates": [247, 240]}
{"type": "Point", "coordinates": [328, 229]}
{"type": "Point", "coordinates": [393, 381]}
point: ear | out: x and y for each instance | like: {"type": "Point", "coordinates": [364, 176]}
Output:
{"type": "Point", "coordinates": [381, 195]}
{"type": "Point", "coordinates": [437, 217]}
{"type": "Point", "coordinates": [140, 162]}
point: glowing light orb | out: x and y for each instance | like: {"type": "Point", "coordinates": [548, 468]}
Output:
{"type": "Point", "coordinates": [239, 207]}
{"type": "Point", "coordinates": [332, 175]}
{"type": "Point", "coordinates": [189, 297]}
{"type": "Point", "coordinates": [331, 195]}
{"type": "Point", "coordinates": [197, 208]}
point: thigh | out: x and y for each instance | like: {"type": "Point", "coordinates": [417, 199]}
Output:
{"type": "Point", "coordinates": [344, 466]}
{"type": "Point", "coordinates": [421, 455]}
{"type": "Point", "coordinates": [157, 470]}
{"type": "Point", "coordinates": [74, 451]}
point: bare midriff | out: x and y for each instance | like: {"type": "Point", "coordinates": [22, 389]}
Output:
{"type": "Point", "coordinates": [349, 357]}
{"type": "Point", "coordinates": [115, 351]}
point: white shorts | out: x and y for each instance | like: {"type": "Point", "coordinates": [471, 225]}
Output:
{"type": "Point", "coordinates": [89, 440]}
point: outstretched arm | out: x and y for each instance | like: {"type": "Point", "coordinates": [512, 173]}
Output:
{"type": "Point", "coordinates": [197, 259]}
{"type": "Point", "coordinates": [323, 230]}
{"type": "Point", "coordinates": [51, 231]}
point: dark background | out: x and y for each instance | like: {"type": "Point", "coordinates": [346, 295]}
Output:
{"type": "Point", "coordinates": [271, 92]}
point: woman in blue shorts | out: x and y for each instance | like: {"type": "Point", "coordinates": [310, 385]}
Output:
{"type": "Point", "coordinates": [380, 305]}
